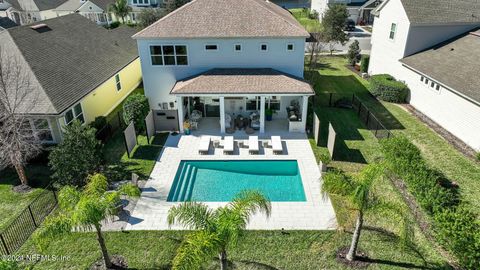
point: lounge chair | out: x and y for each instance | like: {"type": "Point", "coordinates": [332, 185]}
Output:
{"type": "Point", "coordinates": [204, 145]}
{"type": "Point", "coordinates": [253, 144]}
{"type": "Point", "coordinates": [277, 145]}
{"type": "Point", "coordinates": [228, 145]}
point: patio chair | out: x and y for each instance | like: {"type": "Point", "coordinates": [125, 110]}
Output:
{"type": "Point", "coordinates": [253, 144]}
{"type": "Point", "coordinates": [204, 145]}
{"type": "Point", "coordinates": [277, 145]}
{"type": "Point", "coordinates": [228, 145]}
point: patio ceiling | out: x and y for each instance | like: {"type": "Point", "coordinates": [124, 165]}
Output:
{"type": "Point", "coordinates": [233, 81]}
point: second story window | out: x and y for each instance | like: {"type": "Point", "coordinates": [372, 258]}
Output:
{"type": "Point", "coordinates": [211, 47]}
{"type": "Point", "coordinates": [169, 55]}
{"type": "Point", "coordinates": [141, 2]}
{"type": "Point", "coordinates": [263, 47]}
{"type": "Point", "coordinates": [393, 30]}
{"type": "Point", "coordinates": [238, 47]}
{"type": "Point", "coordinates": [290, 47]}
{"type": "Point", "coordinates": [117, 82]}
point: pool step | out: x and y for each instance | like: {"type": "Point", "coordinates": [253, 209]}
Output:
{"type": "Point", "coordinates": [178, 196]}
{"type": "Point", "coordinates": [175, 186]}
{"type": "Point", "coordinates": [187, 192]}
{"type": "Point", "coordinates": [180, 182]}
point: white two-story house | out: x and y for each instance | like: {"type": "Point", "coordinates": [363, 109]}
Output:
{"type": "Point", "coordinates": [434, 46]}
{"type": "Point", "coordinates": [226, 59]}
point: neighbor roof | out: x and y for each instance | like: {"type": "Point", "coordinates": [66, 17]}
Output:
{"type": "Point", "coordinates": [225, 18]}
{"type": "Point", "coordinates": [242, 81]}
{"type": "Point", "coordinates": [48, 4]}
{"type": "Point", "coordinates": [440, 11]}
{"type": "Point", "coordinates": [72, 56]}
{"type": "Point", "coordinates": [70, 5]}
{"type": "Point", "coordinates": [103, 4]}
{"type": "Point", "coordinates": [6, 23]}
{"type": "Point", "coordinates": [454, 63]}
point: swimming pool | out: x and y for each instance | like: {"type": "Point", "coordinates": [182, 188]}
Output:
{"type": "Point", "coordinates": [221, 180]}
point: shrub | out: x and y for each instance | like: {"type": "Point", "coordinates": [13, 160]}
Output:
{"type": "Point", "coordinates": [353, 54]}
{"type": "Point", "coordinates": [459, 231]}
{"type": "Point", "coordinates": [136, 109]}
{"type": "Point", "coordinates": [8, 265]}
{"type": "Point", "coordinates": [365, 61]}
{"type": "Point", "coordinates": [99, 122]}
{"type": "Point", "coordinates": [313, 15]}
{"type": "Point", "coordinates": [386, 88]}
{"type": "Point", "coordinates": [114, 25]}
{"type": "Point", "coordinates": [478, 156]}
{"type": "Point", "coordinates": [76, 156]}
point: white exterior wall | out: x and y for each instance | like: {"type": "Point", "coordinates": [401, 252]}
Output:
{"type": "Point", "coordinates": [454, 113]}
{"type": "Point", "coordinates": [159, 80]}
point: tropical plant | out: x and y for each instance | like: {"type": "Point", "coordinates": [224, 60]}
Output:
{"type": "Point", "coordinates": [215, 230]}
{"type": "Point", "coordinates": [150, 15]}
{"type": "Point", "coordinates": [84, 210]}
{"type": "Point", "coordinates": [358, 191]}
{"type": "Point", "coordinates": [77, 155]}
{"type": "Point", "coordinates": [171, 5]}
{"type": "Point", "coordinates": [136, 109]}
{"type": "Point", "coordinates": [120, 8]}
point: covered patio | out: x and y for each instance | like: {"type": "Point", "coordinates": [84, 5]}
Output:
{"type": "Point", "coordinates": [242, 101]}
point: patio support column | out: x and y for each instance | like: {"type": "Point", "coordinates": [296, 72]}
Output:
{"type": "Point", "coordinates": [222, 115]}
{"type": "Point", "coordinates": [304, 113]}
{"type": "Point", "coordinates": [188, 108]}
{"type": "Point", "coordinates": [180, 113]}
{"type": "Point", "coordinates": [262, 114]}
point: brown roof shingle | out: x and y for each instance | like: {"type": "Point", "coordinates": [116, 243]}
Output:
{"type": "Point", "coordinates": [225, 18]}
{"type": "Point", "coordinates": [243, 81]}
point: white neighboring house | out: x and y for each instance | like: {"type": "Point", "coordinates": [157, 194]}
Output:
{"type": "Point", "coordinates": [29, 11]}
{"type": "Point", "coordinates": [225, 58]}
{"type": "Point", "coordinates": [359, 10]}
{"type": "Point", "coordinates": [434, 47]}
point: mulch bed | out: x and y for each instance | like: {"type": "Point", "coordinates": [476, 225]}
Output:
{"type": "Point", "coordinates": [118, 262]}
{"type": "Point", "coordinates": [361, 260]}
{"type": "Point", "coordinates": [452, 139]}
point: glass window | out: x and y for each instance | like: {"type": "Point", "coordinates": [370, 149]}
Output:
{"type": "Point", "coordinates": [42, 130]}
{"type": "Point", "coordinates": [253, 104]}
{"type": "Point", "coordinates": [168, 50]}
{"type": "Point", "coordinates": [437, 87]}
{"type": "Point", "coordinates": [211, 47]}
{"type": "Point", "coordinates": [69, 117]}
{"type": "Point", "coordinates": [75, 113]}
{"type": "Point", "coordinates": [181, 55]}
{"type": "Point", "coordinates": [393, 29]}
{"type": "Point", "coordinates": [263, 47]}
{"type": "Point", "coordinates": [432, 84]}
{"type": "Point", "coordinates": [422, 78]}
{"type": "Point", "coordinates": [117, 82]}
{"type": "Point", "coordinates": [169, 55]}
{"type": "Point", "coordinates": [238, 47]}
{"type": "Point", "coordinates": [426, 81]}
{"type": "Point", "coordinates": [290, 47]}
{"type": "Point", "coordinates": [273, 104]}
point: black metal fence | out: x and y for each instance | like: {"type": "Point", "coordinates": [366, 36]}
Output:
{"type": "Point", "coordinates": [22, 227]}
{"type": "Point", "coordinates": [114, 123]}
{"type": "Point", "coordinates": [351, 101]}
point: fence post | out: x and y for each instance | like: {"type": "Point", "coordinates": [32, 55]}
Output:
{"type": "Point", "coordinates": [376, 129]}
{"type": "Point", "coordinates": [368, 118]}
{"type": "Point", "coordinates": [4, 244]}
{"type": "Point", "coordinates": [353, 99]}
{"type": "Point", "coordinates": [330, 100]}
{"type": "Point", "coordinates": [31, 214]}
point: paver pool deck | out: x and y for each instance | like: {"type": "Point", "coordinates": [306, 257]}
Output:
{"type": "Point", "coordinates": [316, 213]}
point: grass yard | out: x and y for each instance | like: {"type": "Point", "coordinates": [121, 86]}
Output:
{"type": "Point", "coordinates": [256, 250]}
{"type": "Point", "coordinates": [312, 25]}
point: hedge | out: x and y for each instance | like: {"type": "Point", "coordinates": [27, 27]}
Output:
{"type": "Point", "coordinates": [364, 62]}
{"type": "Point", "coordinates": [456, 228]}
{"type": "Point", "coordinates": [386, 88]}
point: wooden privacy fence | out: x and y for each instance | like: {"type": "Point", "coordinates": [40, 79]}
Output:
{"type": "Point", "coordinates": [22, 227]}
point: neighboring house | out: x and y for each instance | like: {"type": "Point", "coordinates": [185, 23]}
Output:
{"type": "Point", "coordinates": [29, 11]}
{"type": "Point", "coordinates": [6, 23]}
{"type": "Point", "coordinates": [80, 70]}
{"type": "Point", "coordinates": [95, 10]}
{"type": "Point", "coordinates": [428, 45]}
{"type": "Point", "coordinates": [288, 4]}
{"type": "Point", "coordinates": [359, 10]}
{"type": "Point", "coordinates": [225, 59]}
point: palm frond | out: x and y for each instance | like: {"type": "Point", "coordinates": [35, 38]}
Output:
{"type": "Point", "coordinates": [68, 198]}
{"type": "Point", "coordinates": [90, 210]}
{"type": "Point", "coordinates": [197, 248]}
{"type": "Point", "coordinates": [191, 215]}
{"type": "Point", "coordinates": [338, 183]}
{"type": "Point", "coordinates": [249, 202]}
{"type": "Point", "coordinates": [51, 228]}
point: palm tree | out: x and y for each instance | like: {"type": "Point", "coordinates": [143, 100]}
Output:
{"type": "Point", "coordinates": [120, 8]}
{"type": "Point", "coordinates": [215, 230]}
{"type": "Point", "coordinates": [84, 210]}
{"type": "Point", "coordinates": [358, 191]}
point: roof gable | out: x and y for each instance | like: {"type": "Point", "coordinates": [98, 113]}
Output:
{"type": "Point", "coordinates": [225, 18]}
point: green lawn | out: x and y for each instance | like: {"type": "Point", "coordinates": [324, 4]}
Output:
{"type": "Point", "coordinates": [256, 250]}
{"type": "Point", "coordinates": [312, 25]}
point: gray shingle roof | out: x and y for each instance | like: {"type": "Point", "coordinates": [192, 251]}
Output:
{"type": "Point", "coordinates": [242, 81]}
{"type": "Point", "coordinates": [48, 4]}
{"type": "Point", "coordinates": [74, 56]}
{"type": "Point", "coordinates": [225, 18]}
{"type": "Point", "coordinates": [441, 11]}
{"type": "Point", "coordinates": [454, 63]}
{"type": "Point", "coordinates": [103, 4]}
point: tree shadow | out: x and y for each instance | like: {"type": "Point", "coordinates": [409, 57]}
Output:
{"type": "Point", "coordinates": [256, 265]}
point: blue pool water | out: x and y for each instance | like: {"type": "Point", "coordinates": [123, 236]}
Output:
{"type": "Point", "coordinates": [220, 181]}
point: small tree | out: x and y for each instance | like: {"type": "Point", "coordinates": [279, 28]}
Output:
{"type": "Point", "coordinates": [358, 191]}
{"type": "Point", "coordinates": [333, 23]}
{"type": "Point", "coordinates": [19, 141]}
{"type": "Point", "coordinates": [315, 47]}
{"type": "Point", "coordinates": [77, 155]}
{"type": "Point", "coordinates": [120, 8]}
{"type": "Point", "coordinates": [171, 5]}
{"type": "Point", "coordinates": [214, 230]}
{"type": "Point", "coordinates": [135, 109]}
{"type": "Point", "coordinates": [353, 54]}
{"type": "Point", "coordinates": [85, 210]}
{"type": "Point", "coordinates": [365, 63]}
{"type": "Point", "coordinates": [149, 15]}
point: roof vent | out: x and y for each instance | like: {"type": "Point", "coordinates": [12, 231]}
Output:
{"type": "Point", "coordinates": [452, 49]}
{"type": "Point", "coordinates": [40, 28]}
